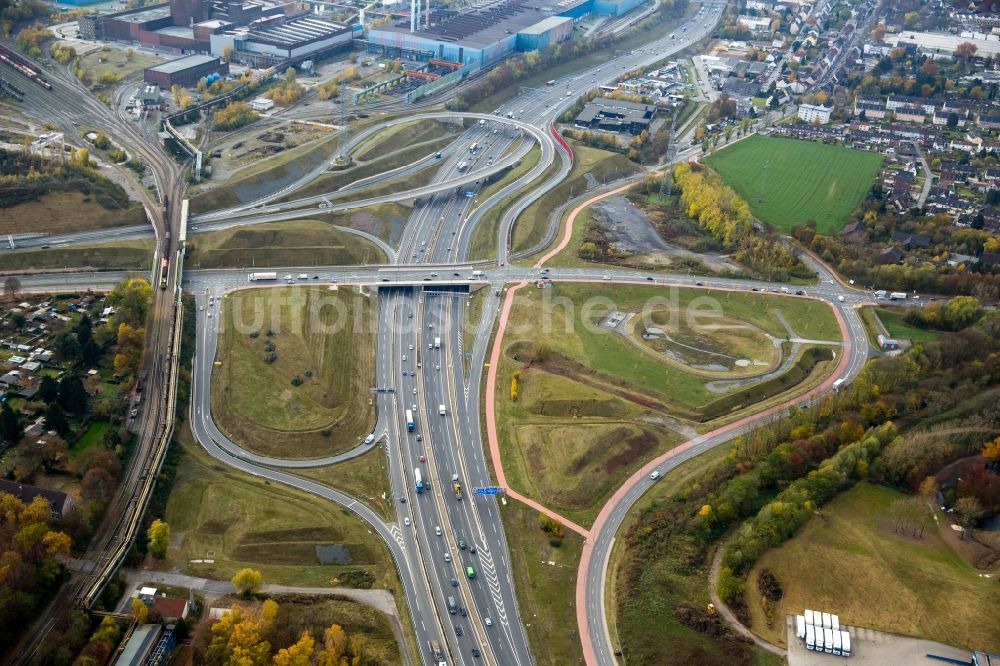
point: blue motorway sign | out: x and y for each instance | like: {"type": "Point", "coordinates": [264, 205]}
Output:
{"type": "Point", "coordinates": [489, 490]}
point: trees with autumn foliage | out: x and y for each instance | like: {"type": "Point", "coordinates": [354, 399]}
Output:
{"type": "Point", "coordinates": [251, 636]}
{"type": "Point", "coordinates": [29, 568]}
{"type": "Point", "coordinates": [725, 215]}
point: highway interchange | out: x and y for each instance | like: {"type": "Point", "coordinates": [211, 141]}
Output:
{"type": "Point", "coordinates": [421, 298]}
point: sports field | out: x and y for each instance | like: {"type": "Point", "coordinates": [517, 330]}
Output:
{"type": "Point", "coordinates": [803, 181]}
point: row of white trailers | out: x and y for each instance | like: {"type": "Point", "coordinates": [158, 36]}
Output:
{"type": "Point", "coordinates": [822, 633]}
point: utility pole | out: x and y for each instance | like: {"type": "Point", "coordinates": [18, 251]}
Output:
{"type": "Point", "coordinates": [344, 142]}
{"type": "Point", "coordinates": [666, 185]}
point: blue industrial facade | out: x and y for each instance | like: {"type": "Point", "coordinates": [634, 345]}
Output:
{"type": "Point", "coordinates": [486, 50]}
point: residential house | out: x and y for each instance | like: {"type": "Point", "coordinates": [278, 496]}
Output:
{"type": "Point", "coordinates": [910, 241]}
{"type": "Point", "coordinates": [61, 503]}
{"type": "Point", "coordinates": [890, 255]}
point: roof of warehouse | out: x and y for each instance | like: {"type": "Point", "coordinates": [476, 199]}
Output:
{"type": "Point", "coordinates": [304, 28]}
{"type": "Point", "coordinates": [144, 15]}
{"type": "Point", "coordinates": [181, 64]}
{"type": "Point", "coordinates": [544, 25]}
{"type": "Point", "coordinates": [483, 25]}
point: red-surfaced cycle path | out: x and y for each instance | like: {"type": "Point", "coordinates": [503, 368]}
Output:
{"type": "Point", "coordinates": [620, 494]}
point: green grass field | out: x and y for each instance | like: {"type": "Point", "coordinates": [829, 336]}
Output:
{"type": "Point", "coordinates": [546, 593]}
{"type": "Point", "coordinates": [852, 560]}
{"type": "Point", "coordinates": [237, 520]}
{"type": "Point", "coordinates": [293, 243]}
{"type": "Point", "coordinates": [600, 406]}
{"type": "Point", "coordinates": [321, 336]}
{"type": "Point", "coordinates": [898, 328]}
{"type": "Point", "coordinates": [805, 180]}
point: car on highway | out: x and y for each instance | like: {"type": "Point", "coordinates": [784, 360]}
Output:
{"type": "Point", "coordinates": [422, 459]}
{"type": "Point", "coordinates": [454, 582]}
{"type": "Point", "coordinates": [475, 653]}
{"type": "Point", "coordinates": [607, 277]}
{"type": "Point", "coordinates": [458, 630]}
{"type": "Point", "coordinates": [437, 530]}
{"type": "Point", "coordinates": [461, 544]}
{"type": "Point", "coordinates": [488, 622]}
{"type": "Point", "coordinates": [406, 521]}
{"type": "Point", "coordinates": [402, 499]}
{"type": "Point", "coordinates": [840, 298]}
{"type": "Point", "coordinates": [447, 557]}
{"type": "Point", "coordinates": [463, 612]}
{"type": "Point", "coordinates": [655, 474]}
{"type": "Point", "coordinates": [699, 284]}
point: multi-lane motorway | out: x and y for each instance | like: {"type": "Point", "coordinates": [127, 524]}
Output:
{"type": "Point", "coordinates": [422, 299]}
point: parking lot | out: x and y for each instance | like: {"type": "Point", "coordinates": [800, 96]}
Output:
{"type": "Point", "coordinates": [871, 647]}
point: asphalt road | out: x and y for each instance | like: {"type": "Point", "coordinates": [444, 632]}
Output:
{"type": "Point", "coordinates": [431, 253]}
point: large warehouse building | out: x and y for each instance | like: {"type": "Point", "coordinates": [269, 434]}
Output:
{"type": "Point", "coordinates": [489, 32]}
{"type": "Point", "coordinates": [266, 30]}
{"type": "Point", "coordinates": [184, 71]}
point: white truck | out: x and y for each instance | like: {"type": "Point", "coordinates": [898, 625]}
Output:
{"type": "Point", "coordinates": [810, 637]}
{"type": "Point", "coordinates": [827, 621]}
{"type": "Point", "coordinates": [254, 277]}
{"type": "Point", "coordinates": [800, 626]}
{"type": "Point", "coordinates": [837, 385]}
{"type": "Point", "coordinates": [897, 296]}
{"type": "Point", "coordinates": [845, 644]}
{"type": "Point", "coordinates": [441, 410]}
{"type": "Point", "coordinates": [437, 343]}
{"type": "Point", "coordinates": [834, 622]}
{"type": "Point", "coordinates": [827, 640]}
{"type": "Point", "coordinates": [836, 643]}
{"type": "Point", "coordinates": [809, 617]}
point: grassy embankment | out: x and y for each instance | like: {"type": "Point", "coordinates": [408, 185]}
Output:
{"type": "Point", "coordinates": [265, 176]}
{"type": "Point", "coordinates": [851, 559]}
{"type": "Point", "coordinates": [596, 406]}
{"type": "Point", "coordinates": [407, 134]}
{"type": "Point", "coordinates": [645, 618]}
{"type": "Point", "coordinates": [235, 520]}
{"type": "Point", "coordinates": [838, 178]}
{"type": "Point", "coordinates": [293, 243]}
{"type": "Point", "coordinates": [321, 338]}
{"type": "Point", "coordinates": [126, 255]}
{"type": "Point", "coordinates": [66, 212]}
{"type": "Point", "coordinates": [601, 165]}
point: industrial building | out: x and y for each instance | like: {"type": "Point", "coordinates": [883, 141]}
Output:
{"type": "Point", "coordinates": [612, 115]}
{"type": "Point", "coordinates": [184, 71]}
{"type": "Point", "coordinates": [265, 30]}
{"type": "Point", "coordinates": [286, 39]}
{"type": "Point", "coordinates": [488, 32]}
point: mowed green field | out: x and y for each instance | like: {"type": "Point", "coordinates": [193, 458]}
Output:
{"type": "Point", "coordinates": [320, 335]}
{"type": "Point", "coordinates": [853, 560]}
{"type": "Point", "coordinates": [598, 406]}
{"type": "Point", "coordinates": [805, 180]}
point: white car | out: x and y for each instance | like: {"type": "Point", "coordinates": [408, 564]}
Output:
{"type": "Point", "coordinates": [406, 521]}
{"type": "Point", "coordinates": [840, 298]}
{"type": "Point", "coordinates": [488, 621]}
{"type": "Point", "coordinates": [655, 475]}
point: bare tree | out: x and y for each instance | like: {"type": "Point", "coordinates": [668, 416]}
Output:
{"type": "Point", "coordinates": [969, 511]}
{"type": "Point", "coordinates": [11, 285]}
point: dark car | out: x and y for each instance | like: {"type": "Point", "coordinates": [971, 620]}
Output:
{"type": "Point", "coordinates": [461, 544]}
{"type": "Point", "coordinates": [458, 630]}
{"type": "Point", "coordinates": [700, 284]}
{"type": "Point", "coordinates": [463, 612]}
{"type": "Point", "coordinates": [649, 278]}
{"type": "Point", "coordinates": [799, 292]}
{"type": "Point", "coordinates": [475, 652]}
{"type": "Point", "coordinates": [454, 582]}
